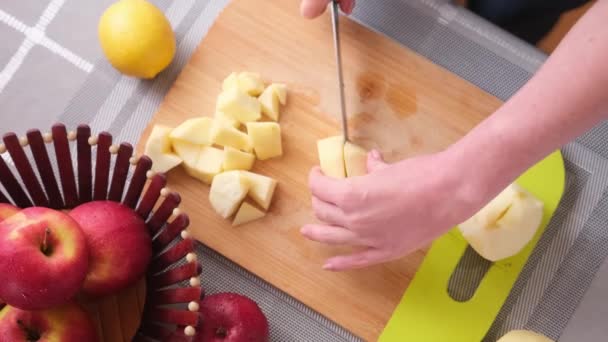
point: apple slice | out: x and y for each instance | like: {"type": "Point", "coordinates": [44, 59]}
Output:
{"type": "Point", "coordinates": [504, 226]}
{"type": "Point", "coordinates": [266, 139]}
{"type": "Point", "coordinates": [228, 190]}
{"type": "Point", "coordinates": [524, 336]}
{"type": "Point", "coordinates": [237, 160]}
{"type": "Point", "coordinates": [158, 148]}
{"type": "Point", "coordinates": [274, 95]}
{"type": "Point", "coordinates": [261, 188]}
{"type": "Point", "coordinates": [247, 213]}
{"type": "Point", "coordinates": [355, 160]}
{"type": "Point", "coordinates": [195, 131]}
{"type": "Point", "coordinates": [247, 82]}
{"type": "Point", "coordinates": [331, 156]}
{"type": "Point", "coordinates": [225, 135]}
{"type": "Point", "coordinates": [208, 165]}
{"type": "Point", "coordinates": [188, 152]}
{"type": "Point", "coordinates": [227, 120]}
{"type": "Point", "coordinates": [239, 106]}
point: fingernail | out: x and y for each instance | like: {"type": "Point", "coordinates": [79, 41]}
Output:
{"type": "Point", "coordinates": [328, 267]}
{"type": "Point", "coordinates": [304, 230]}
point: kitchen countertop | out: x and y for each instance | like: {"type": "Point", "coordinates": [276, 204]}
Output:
{"type": "Point", "coordinates": [52, 70]}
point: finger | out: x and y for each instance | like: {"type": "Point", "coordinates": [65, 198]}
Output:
{"type": "Point", "coordinates": [313, 8]}
{"type": "Point", "coordinates": [375, 161]}
{"type": "Point", "coordinates": [328, 212]}
{"type": "Point", "coordinates": [330, 235]}
{"type": "Point", "coordinates": [363, 259]}
{"type": "Point", "coordinates": [347, 6]}
{"type": "Point", "coordinates": [325, 188]}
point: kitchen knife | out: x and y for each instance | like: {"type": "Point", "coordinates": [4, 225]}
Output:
{"type": "Point", "coordinates": [335, 15]}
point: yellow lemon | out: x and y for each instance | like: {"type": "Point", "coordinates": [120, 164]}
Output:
{"type": "Point", "coordinates": [137, 38]}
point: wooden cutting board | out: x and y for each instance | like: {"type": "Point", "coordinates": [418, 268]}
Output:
{"type": "Point", "coordinates": [398, 102]}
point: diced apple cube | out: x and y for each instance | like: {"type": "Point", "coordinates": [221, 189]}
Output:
{"type": "Point", "coordinates": [158, 149]}
{"type": "Point", "coordinates": [195, 131]}
{"type": "Point", "coordinates": [208, 165]}
{"type": "Point", "coordinates": [274, 95]}
{"type": "Point", "coordinates": [266, 139]}
{"type": "Point", "coordinates": [355, 160]}
{"type": "Point", "coordinates": [230, 82]}
{"type": "Point", "coordinates": [229, 121]}
{"type": "Point", "coordinates": [228, 190]}
{"type": "Point", "coordinates": [261, 188]}
{"type": "Point", "coordinates": [239, 106]}
{"type": "Point", "coordinates": [237, 160]}
{"type": "Point", "coordinates": [247, 82]}
{"type": "Point", "coordinates": [247, 213]}
{"type": "Point", "coordinates": [187, 151]}
{"type": "Point", "coordinates": [331, 156]}
{"type": "Point", "coordinates": [226, 135]}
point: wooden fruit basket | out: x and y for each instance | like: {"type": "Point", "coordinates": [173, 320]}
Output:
{"type": "Point", "coordinates": [164, 305]}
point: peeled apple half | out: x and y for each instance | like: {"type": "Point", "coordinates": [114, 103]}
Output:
{"type": "Point", "coordinates": [524, 336]}
{"type": "Point", "coordinates": [341, 159]}
{"type": "Point", "coordinates": [505, 225]}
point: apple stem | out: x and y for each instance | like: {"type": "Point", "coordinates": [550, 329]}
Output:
{"type": "Point", "coordinates": [221, 332]}
{"type": "Point", "coordinates": [30, 334]}
{"type": "Point", "coordinates": [45, 248]}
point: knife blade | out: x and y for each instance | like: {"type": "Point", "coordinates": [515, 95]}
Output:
{"type": "Point", "coordinates": [336, 29]}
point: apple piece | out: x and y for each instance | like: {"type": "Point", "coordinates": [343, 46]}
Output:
{"type": "Point", "coordinates": [230, 82]}
{"type": "Point", "coordinates": [7, 210]}
{"type": "Point", "coordinates": [224, 135]}
{"type": "Point", "coordinates": [524, 336]}
{"type": "Point", "coordinates": [158, 148]}
{"type": "Point", "coordinates": [120, 245]}
{"type": "Point", "coordinates": [271, 99]}
{"type": "Point", "coordinates": [227, 120]}
{"type": "Point", "coordinates": [228, 190]}
{"type": "Point", "coordinates": [49, 258]}
{"type": "Point", "coordinates": [208, 165]}
{"type": "Point", "coordinates": [249, 83]}
{"type": "Point", "coordinates": [237, 160]}
{"type": "Point", "coordinates": [196, 131]}
{"type": "Point", "coordinates": [261, 188]}
{"type": "Point", "coordinates": [239, 106]}
{"type": "Point", "coordinates": [355, 160]}
{"type": "Point", "coordinates": [68, 322]}
{"type": "Point", "coordinates": [247, 213]}
{"type": "Point", "coordinates": [266, 139]}
{"type": "Point", "coordinates": [331, 156]}
{"type": "Point", "coordinates": [504, 226]}
{"type": "Point", "coordinates": [231, 317]}
{"type": "Point", "coordinates": [187, 152]}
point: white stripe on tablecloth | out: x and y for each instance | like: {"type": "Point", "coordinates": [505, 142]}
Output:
{"type": "Point", "coordinates": [36, 36]}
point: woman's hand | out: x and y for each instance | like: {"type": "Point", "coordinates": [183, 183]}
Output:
{"type": "Point", "coordinates": [314, 8]}
{"type": "Point", "coordinates": [390, 212]}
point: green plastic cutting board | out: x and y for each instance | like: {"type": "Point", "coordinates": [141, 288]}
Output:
{"type": "Point", "coordinates": [428, 313]}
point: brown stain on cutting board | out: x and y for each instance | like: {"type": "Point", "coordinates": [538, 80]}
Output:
{"type": "Point", "coordinates": [397, 101]}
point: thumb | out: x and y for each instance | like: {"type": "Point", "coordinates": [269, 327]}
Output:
{"type": "Point", "coordinates": [375, 161]}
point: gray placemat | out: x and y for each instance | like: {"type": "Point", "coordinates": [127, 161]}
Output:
{"type": "Point", "coordinates": [52, 70]}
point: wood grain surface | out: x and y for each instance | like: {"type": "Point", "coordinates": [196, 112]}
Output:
{"type": "Point", "coordinates": [397, 101]}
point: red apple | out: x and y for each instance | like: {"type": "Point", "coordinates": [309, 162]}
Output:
{"type": "Point", "coordinates": [120, 245]}
{"type": "Point", "coordinates": [66, 323]}
{"type": "Point", "coordinates": [230, 317]}
{"type": "Point", "coordinates": [43, 258]}
{"type": "Point", "coordinates": [7, 210]}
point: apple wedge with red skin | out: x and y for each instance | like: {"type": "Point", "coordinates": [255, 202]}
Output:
{"type": "Point", "coordinates": [119, 243]}
{"type": "Point", "coordinates": [231, 317]}
{"type": "Point", "coordinates": [65, 323]}
{"type": "Point", "coordinates": [45, 255]}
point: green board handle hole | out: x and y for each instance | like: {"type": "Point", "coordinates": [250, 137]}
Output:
{"type": "Point", "coordinates": [467, 276]}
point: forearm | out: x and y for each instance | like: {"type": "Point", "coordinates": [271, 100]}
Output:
{"type": "Point", "coordinates": [566, 97]}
